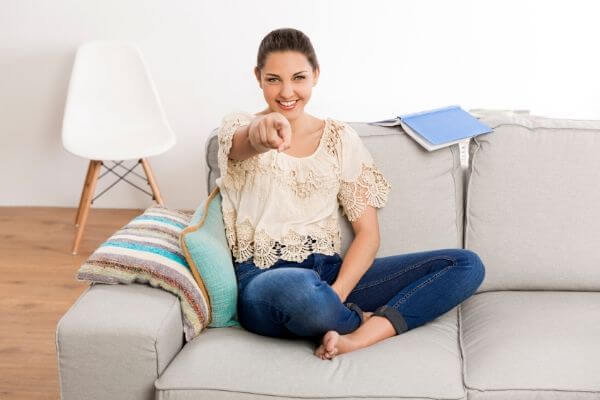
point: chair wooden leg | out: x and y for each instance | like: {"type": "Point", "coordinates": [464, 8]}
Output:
{"type": "Point", "coordinates": [151, 181]}
{"type": "Point", "coordinates": [83, 192]}
{"type": "Point", "coordinates": [87, 202]}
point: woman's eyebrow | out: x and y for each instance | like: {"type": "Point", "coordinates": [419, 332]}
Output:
{"type": "Point", "coordinates": [278, 75]}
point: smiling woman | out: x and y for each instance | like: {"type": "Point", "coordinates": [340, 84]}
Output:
{"type": "Point", "coordinates": [286, 70]}
{"type": "Point", "coordinates": [280, 211]}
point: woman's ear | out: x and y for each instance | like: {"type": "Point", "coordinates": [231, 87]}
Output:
{"type": "Point", "coordinates": [315, 76]}
{"type": "Point", "coordinates": [257, 74]}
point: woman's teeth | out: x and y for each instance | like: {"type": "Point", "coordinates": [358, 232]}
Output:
{"type": "Point", "coordinates": [288, 104]}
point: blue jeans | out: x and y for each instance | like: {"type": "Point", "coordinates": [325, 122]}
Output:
{"type": "Point", "coordinates": [294, 299]}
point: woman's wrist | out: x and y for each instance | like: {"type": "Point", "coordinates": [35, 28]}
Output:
{"type": "Point", "coordinates": [338, 288]}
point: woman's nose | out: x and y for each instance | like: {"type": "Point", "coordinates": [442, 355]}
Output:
{"type": "Point", "coordinates": [286, 91]}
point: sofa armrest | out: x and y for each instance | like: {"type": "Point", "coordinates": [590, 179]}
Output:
{"type": "Point", "coordinates": [116, 340]}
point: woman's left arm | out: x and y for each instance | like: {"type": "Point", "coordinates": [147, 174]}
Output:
{"type": "Point", "coordinates": [361, 253]}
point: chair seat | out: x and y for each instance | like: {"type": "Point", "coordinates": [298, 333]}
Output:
{"type": "Point", "coordinates": [233, 363]}
{"type": "Point", "coordinates": [520, 344]}
{"type": "Point", "coordinates": [122, 144]}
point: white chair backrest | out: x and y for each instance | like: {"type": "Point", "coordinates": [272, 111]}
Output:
{"type": "Point", "coordinates": [112, 108]}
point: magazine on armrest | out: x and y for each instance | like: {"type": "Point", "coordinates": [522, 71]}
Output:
{"type": "Point", "coordinates": [438, 128]}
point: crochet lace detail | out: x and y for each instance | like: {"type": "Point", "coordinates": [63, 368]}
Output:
{"type": "Point", "coordinates": [245, 242]}
{"type": "Point", "coordinates": [333, 137]}
{"type": "Point", "coordinates": [239, 171]}
{"type": "Point", "coordinates": [370, 187]}
{"type": "Point", "coordinates": [344, 169]}
{"type": "Point", "coordinates": [235, 174]}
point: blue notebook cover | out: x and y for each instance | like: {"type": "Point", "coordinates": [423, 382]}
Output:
{"type": "Point", "coordinates": [445, 124]}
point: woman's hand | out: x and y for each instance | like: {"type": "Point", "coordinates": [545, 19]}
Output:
{"type": "Point", "coordinates": [270, 131]}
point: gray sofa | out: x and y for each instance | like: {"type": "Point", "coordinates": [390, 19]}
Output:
{"type": "Point", "coordinates": [528, 203]}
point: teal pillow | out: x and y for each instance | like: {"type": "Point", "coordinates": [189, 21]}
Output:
{"type": "Point", "coordinates": [207, 252]}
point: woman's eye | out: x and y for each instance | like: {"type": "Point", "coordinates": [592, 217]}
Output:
{"type": "Point", "coordinates": [274, 79]}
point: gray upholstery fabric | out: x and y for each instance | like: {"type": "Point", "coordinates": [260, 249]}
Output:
{"type": "Point", "coordinates": [232, 363]}
{"type": "Point", "coordinates": [424, 210]}
{"type": "Point", "coordinates": [531, 345]}
{"type": "Point", "coordinates": [116, 340]}
{"type": "Point", "coordinates": [531, 216]}
{"type": "Point", "coordinates": [532, 204]}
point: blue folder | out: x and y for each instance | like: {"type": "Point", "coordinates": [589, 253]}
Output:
{"type": "Point", "coordinates": [445, 124]}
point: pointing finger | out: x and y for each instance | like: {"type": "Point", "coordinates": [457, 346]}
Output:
{"type": "Point", "coordinates": [286, 134]}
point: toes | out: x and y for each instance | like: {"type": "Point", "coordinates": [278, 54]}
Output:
{"type": "Point", "coordinates": [320, 350]}
{"type": "Point", "coordinates": [330, 342]}
{"type": "Point", "coordinates": [332, 351]}
{"type": "Point", "coordinates": [330, 347]}
{"type": "Point", "coordinates": [331, 355]}
{"type": "Point", "coordinates": [322, 353]}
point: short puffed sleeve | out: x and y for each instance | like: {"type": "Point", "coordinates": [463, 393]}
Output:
{"type": "Point", "coordinates": [362, 183]}
{"type": "Point", "coordinates": [229, 169]}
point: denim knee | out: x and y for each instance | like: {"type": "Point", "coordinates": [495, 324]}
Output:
{"type": "Point", "coordinates": [309, 302]}
{"type": "Point", "coordinates": [286, 288]}
{"type": "Point", "coordinates": [476, 273]}
{"type": "Point", "coordinates": [476, 263]}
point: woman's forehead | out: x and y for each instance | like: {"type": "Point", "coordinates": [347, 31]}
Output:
{"type": "Point", "coordinates": [288, 62]}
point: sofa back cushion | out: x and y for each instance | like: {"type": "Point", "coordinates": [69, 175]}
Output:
{"type": "Point", "coordinates": [532, 206]}
{"type": "Point", "coordinates": [425, 204]}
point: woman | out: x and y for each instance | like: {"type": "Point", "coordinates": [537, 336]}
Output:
{"type": "Point", "coordinates": [284, 174]}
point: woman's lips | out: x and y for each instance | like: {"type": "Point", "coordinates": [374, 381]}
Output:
{"type": "Point", "coordinates": [287, 108]}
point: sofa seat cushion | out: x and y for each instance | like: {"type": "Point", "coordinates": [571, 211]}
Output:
{"type": "Point", "coordinates": [531, 344]}
{"type": "Point", "coordinates": [233, 363]}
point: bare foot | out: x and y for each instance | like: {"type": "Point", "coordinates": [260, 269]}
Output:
{"type": "Point", "coordinates": [334, 344]}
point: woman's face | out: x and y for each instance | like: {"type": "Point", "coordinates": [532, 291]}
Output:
{"type": "Point", "coordinates": [287, 77]}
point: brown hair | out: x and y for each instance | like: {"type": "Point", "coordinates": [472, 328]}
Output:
{"type": "Point", "coordinates": [285, 39]}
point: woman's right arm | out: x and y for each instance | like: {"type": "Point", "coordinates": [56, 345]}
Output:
{"type": "Point", "coordinates": [241, 148]}
{"type": "Point", "coordinates": [263, 133]}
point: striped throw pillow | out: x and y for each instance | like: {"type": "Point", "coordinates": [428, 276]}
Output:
{"type": "Point", "coordinates": [147, 251]}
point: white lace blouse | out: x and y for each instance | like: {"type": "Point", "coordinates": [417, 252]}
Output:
{"type": "Point", "coordinates": [280, 206]}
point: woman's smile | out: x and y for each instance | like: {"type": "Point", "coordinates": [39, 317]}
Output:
{"type": "Point", "coordinates": [287, 105]}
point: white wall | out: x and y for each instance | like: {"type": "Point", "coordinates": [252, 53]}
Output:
{"type": "Point", "coordinates": [378, 59]}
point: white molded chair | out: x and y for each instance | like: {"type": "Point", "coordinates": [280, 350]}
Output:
{"type": "Point", "coordinates": [113, 112]}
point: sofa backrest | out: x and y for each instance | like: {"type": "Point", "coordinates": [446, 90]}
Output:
{"type": "Point", "coordinates": [533, 203]}
{"type": "Point", "coordinates": [425, 204]}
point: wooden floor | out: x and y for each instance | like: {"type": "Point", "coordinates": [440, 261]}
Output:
{"type": "Point", "coordinates": [37, 286]}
